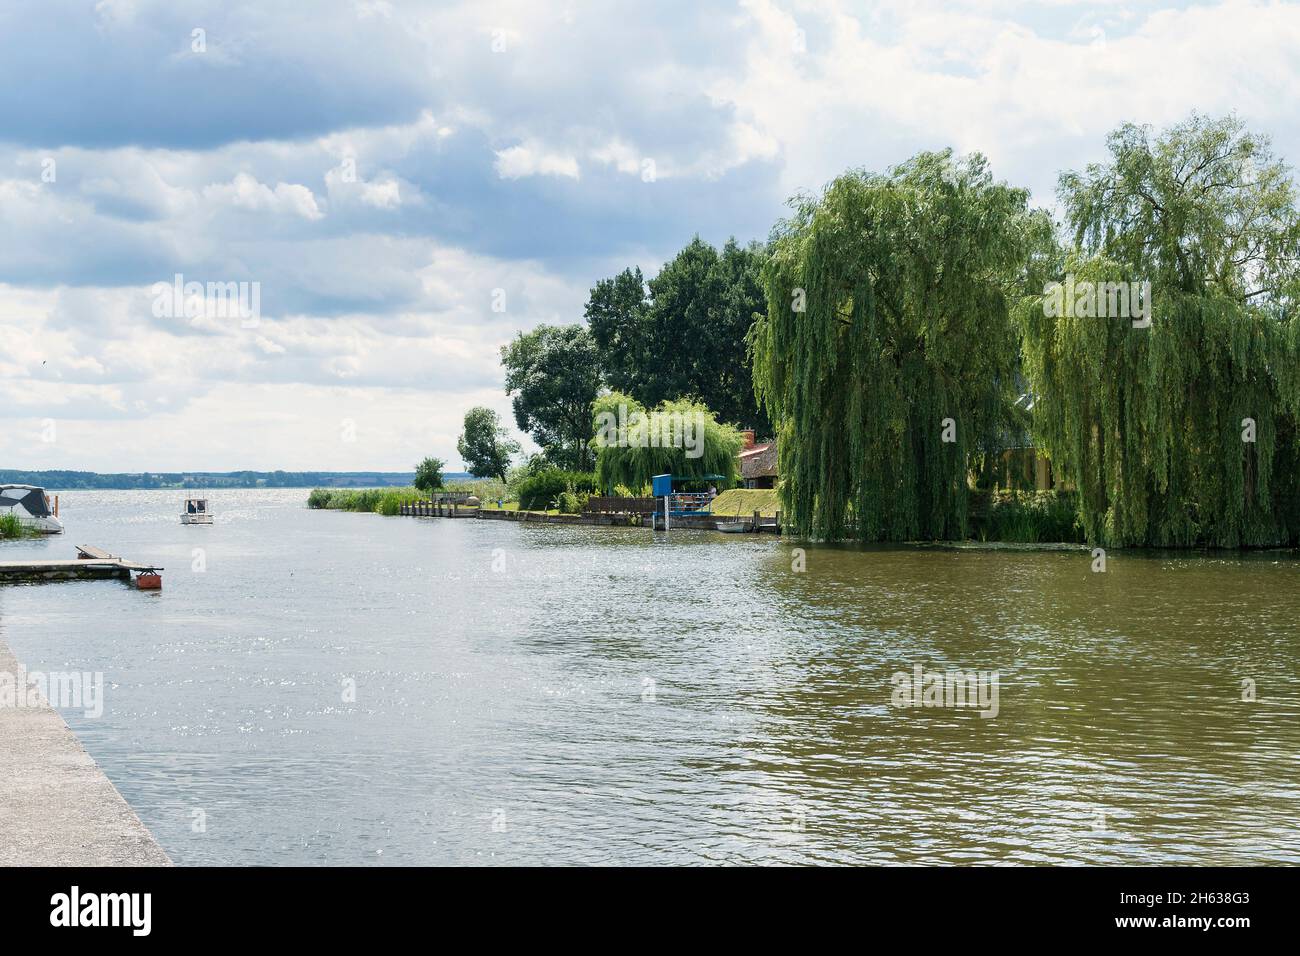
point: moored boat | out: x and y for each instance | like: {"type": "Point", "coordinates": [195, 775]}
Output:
{"type": "Point", "coordinates": [31, 505]}
{"type": "Point", "coordinates": [196, 511]}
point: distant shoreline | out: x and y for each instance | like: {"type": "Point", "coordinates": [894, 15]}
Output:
{"type": "Point", "coordinates": [59, 481]}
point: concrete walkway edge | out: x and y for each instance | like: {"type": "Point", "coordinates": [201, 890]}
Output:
{"type": "Point", "coordinates": [57, 808]}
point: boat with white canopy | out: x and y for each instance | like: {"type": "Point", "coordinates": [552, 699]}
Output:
{"type": "Point", "coordinates": [32, 507]}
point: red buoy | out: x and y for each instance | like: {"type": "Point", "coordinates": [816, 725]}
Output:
{"type": "Point", "coordinates": [148, 581]}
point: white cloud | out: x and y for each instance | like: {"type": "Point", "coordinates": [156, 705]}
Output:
{"type": "Point", "coordinates": [516, 162]}
{"type": "Point", "coordinates": [382, 195]}
{"type": "Point", "coordinates": [245, 192]}
{"type": "Point", "coordinates": [622, 156]}
{"type": "Point", "coordinates": [100, 364]}
{"type": "Point", "coordinates": [970, 78]}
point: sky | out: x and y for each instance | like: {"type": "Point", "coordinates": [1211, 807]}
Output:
{"type": "Point", "coordinates": [403, 187]}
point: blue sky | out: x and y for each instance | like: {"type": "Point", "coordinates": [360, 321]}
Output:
{"type": "Point", "coordinates": [381, 168]}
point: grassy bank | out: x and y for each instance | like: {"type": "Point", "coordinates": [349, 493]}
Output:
{"type": "Point", "coordinates": [388, 501]}
{"type": "Point", "coordinates": [381, 501]}
{"type": "Point", "coordinates": [745, 501]}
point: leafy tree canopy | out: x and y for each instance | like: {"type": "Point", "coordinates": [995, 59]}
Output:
{"type": "Point", "coordinates": [553, 375]}
{"type": "Point", "coordinates": [888, 353]}
{"type": "Point", "coordinates": [484, 445]}
{"type": "Point", "coordinates": [1183, 432]}
{"type": "Point", "coordinates": [683, 332]}
{"type": "Point", "coordinates": [680, 437]}
{"type": "Point", "coordinates": [428, 475]}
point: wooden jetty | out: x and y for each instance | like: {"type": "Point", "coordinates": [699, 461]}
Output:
{"type": "Point", "coordinates": [91, 563]}
{"type": "Point", "coordinates": [442, 507]}
{"type": "Point", "coordinates": [598, 511]}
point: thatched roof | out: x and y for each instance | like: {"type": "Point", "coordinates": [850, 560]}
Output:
{"type": "Point", "coordinates": [758, 462]}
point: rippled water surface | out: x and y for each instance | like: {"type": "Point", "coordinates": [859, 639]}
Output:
{"type": "Point", "coordinates": [531, 694]}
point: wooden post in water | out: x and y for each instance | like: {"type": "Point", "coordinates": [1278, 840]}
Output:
{"type": "Point", "coordinates": [756, 519]}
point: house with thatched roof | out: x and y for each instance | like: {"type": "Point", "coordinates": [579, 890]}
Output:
{"type": "Point", "coordinates": [758, 467]}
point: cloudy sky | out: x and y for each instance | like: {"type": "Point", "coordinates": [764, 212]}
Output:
{"type": "Point", "coordinates": [381, 169]}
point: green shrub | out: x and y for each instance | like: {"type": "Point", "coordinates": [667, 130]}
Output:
{"type": "Point", "coordinates": [540, 490]}
{"type": "Point", "coordinates": [571, 502]}
{"type": "Point", "coordinates": [1033, 517]}
{"type": "Point", "coordinates": [520, 473]}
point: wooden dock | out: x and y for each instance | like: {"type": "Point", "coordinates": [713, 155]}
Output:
{"type": "Point", "coordinates": [439, 509]}
{"type": "Point", "coordinates": [627, 511]}
{"type": "Point", "coordinates": [90, 564]}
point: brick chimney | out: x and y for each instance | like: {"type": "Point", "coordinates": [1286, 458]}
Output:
{"type": "Point", "coordinates": [749, 437]}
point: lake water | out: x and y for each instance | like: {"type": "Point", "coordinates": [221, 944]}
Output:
{"type": "Point", "coordinates": [545, 694]}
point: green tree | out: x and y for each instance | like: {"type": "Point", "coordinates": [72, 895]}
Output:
{"type": "Point", "coordinates": [484, 445]}
{"type": "Point", "coordinates": [682, 438]}
{"type": "Point", "coordinates": [1148, 423]}
{"type": "Point", "coordinates": [888, 354]}
{"type": "Point", "coordinates": [616, 315]}
{"type": "Point", "coordinates": [552, 374]}
{"type": "Point", "coordinates": [428, 475]}
{"type": "Point", "coordinates": [683, 333]}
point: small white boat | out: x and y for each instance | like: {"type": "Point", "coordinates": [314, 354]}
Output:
{"type": "Point", "coordinates": [196, 511]}
{"type": "Point", "coordinates": [733, 527]}
{"type": "Point", "coordinates": [32, 506]}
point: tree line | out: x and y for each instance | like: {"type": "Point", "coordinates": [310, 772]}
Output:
{"type": "Point", "coordinates": [680, 336]}
{"type": "Point", "coordinates": [900, 330]}
{"type": "Point", "coordinates": [63, 480]}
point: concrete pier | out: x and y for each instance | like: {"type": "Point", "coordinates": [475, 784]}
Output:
{"type": "Point", "coordinates": [56, 806]}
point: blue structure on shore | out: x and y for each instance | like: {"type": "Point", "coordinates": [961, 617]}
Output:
{"type": "Point", "coordinates": [682, 503]}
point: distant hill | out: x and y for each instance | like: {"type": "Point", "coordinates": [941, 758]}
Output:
{"type": "Point", "coordinates": [72, 480]}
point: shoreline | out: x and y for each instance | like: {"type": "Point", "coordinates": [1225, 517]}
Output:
{"type": "Point", "coordinates": [57, 806]}
{"type": "Point", "coordinates": [768, 525]}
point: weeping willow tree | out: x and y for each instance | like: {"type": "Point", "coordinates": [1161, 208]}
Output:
{"type": "Point", "coordinates": [681, 438]}
{"type": "Point", "coordinates": [888, 355]}
{"type": "Point", "coordinates": [1182, 432]}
